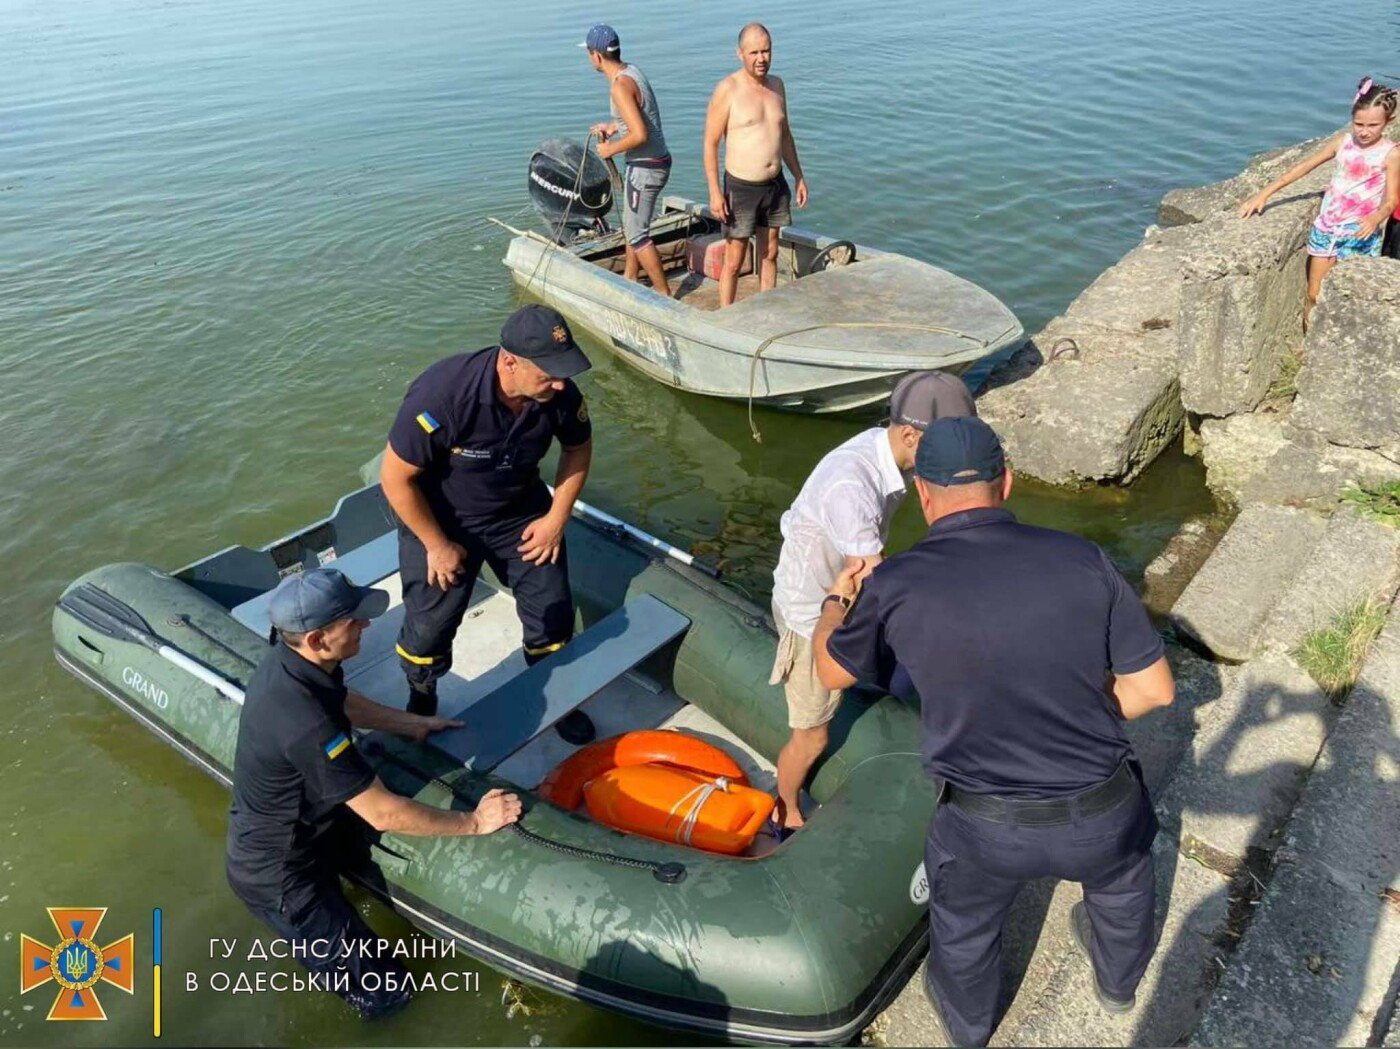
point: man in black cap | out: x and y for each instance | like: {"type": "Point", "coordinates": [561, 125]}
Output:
{"type": "Point", "coordinates": [1028, 650]}
{"type": "Point", "coordinates": [295, 772]}
{"type": "Point", "coordinates": [462, 473]}
{"type": "Point", "coordinates": [841, 515]}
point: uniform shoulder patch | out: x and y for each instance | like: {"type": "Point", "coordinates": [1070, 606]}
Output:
{"type": "Point", "coordinates": [582, 411]}
{"type": "Point", "coordinates": [337, 746]}
{"type": "Point", "coordinates": [428, 423]}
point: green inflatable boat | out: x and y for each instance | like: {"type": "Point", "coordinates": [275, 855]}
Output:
{"type": "Point", "coordinates": [802, 942]}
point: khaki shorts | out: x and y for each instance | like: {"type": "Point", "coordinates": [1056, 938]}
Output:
{"type": "Point", "coordinates": [809, 704]}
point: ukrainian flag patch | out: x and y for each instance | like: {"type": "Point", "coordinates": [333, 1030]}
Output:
{"type": "Point", "coordinates": [337, 746]}
{"type": "Point", "coordinates": [426, 421]}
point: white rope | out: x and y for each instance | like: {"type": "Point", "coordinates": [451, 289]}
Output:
{"type": "Point", "coordinates": [701, 794]}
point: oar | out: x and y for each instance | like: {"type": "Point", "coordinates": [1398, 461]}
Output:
{"type": "Point", "coordinates": [100, 611]}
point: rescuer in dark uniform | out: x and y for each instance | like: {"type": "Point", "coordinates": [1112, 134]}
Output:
{"type": "Point", "coordinates": [462, 473]}
{"type": "Point", "coordinates": [1028, 650]}
{"type": "Point", "coordinates": [297, 770]}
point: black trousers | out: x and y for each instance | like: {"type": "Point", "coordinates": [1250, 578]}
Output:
{"type": "Point", "coordinates": [337, 945]}
{"type": "Point", "coordinates": [1390, 247]}
{"type": "Point", "coordinates": [543, 600]}
{"type": "Point", "coordinates": [976, 867]}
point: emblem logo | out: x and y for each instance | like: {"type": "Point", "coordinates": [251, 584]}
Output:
{"type": "Point", "coordinates": [560, 335]}
{"type": "Point", "coordinates": [583, 412]}
{"type": "Point", "coordinates": [76, 963]}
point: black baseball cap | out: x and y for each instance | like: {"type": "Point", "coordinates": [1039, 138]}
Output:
{"type": "Point", "coordinates": [542, 336]}
{"type": "Point", "coordinates": [921, 397]}
{"type": "Point", "coordinates": [959, 450]}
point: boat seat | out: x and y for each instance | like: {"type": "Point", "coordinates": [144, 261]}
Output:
{"type": "Point", "coordinates": [500, 723]}
{"type": "Point", "coordinates": [364, 566]}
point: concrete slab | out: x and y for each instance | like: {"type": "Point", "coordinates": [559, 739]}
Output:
{"type": "Point", "coordinates": [1103, 415]}
{"type": "Point", "coordinates": [1357, 559]}
{"type": "Point", "coordinates": [1141, 292]}
{"type": "Point", "coordinates": [1193, 204]}
{"type": "Point", "coordinates": [1166, 578]}
{"type": "Point", "coordinates": [1247, 763]}
{"type": "Point", "coordinates": [1226, 605]}
{"type": "Point", "coordinates": [1315, 968]}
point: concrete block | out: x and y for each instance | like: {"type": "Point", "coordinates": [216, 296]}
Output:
{"type": "Point", "coordinates": [1225, 606]}
{"type": "Point", "coordinates": [1357, 559]}
{"type": "Point", "coordinates": [1167, 576]}
{"type": "Point", "coordinates": [1314, 968]}
{"type": "Point", "coordinates": [1161, 739]}
{"type": "Point", "coordinates": [1255, 747]}
{"type": "Point", "coordinates": [1262, 458]}
{"type": "Point", "coordinates": [1349, 387]}
{"type": "Point", "coordinates": [1141, 292]}
{"type": "Point", "coordinates": [1104, 415]}
{"type": "Point", "coordinates": [1241, 305]}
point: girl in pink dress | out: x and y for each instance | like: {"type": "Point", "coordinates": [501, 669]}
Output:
{"type": "Point", "coordinates": [1365, 187]}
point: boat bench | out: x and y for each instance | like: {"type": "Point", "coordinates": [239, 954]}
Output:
{"type": "Point", "coordinates": [499, 724]}
{"type": "Point", "coordinates": [364, 566]}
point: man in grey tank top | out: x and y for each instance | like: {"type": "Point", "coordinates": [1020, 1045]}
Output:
{"type": "Point", "coordinates": [635, 130]}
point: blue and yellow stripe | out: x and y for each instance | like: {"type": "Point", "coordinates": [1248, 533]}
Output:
{"type": "Point", "coordinates": [155, 957]}
{"type": "Point", "coordinates": [337, 746]}
{"type": "Point", "coordinates": [426, 421]}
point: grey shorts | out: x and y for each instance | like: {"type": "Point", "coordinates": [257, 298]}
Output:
{"type": "Point", "coordinates": [644, 185]}
{"type": "Point", "coordinates": [756, 204]}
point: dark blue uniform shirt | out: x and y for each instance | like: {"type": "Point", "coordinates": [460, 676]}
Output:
{"type": "Point", "coordinates": [1010, 634]}
{"type": "Point", "coordinates": [480, 461]}
{"type": "Point", "coordinates": [295, 765]}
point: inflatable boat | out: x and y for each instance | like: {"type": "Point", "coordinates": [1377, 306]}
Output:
{"type": "Point", "coordinates": [798, 942]}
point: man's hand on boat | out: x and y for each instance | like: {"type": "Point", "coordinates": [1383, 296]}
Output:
{"type": "Point", "coordinates": [495, 810]}
{"type": "Point", "coordinates": [541, 540]}
{"type": "Point", "coordinates": [423, 727]}
{"type": "Point", "coordinates": [445, 564]}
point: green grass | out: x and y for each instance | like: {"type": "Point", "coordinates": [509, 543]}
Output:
{"type": "Point", "coordinates": [1379, 501]}
{"type": "Point", "coordinates": [1333, 655]}
{"type": "Point", "coordinates": [1285, 384]}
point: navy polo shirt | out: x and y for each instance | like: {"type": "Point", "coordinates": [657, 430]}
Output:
{"type": "Point", "coordinates": [1010, 634]}
{"type": "Point", "coordinates": [295, 765]}
{"type": "Point", "coordinates": [480, 461]}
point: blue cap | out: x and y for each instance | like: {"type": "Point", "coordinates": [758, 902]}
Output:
{"type": "Point", "coordinates": [959, 450]}
{"type": "Point", "coordinates": [318, 597]}
{"type": "Point", "coordinates": [603, 39]}
{"type": "Point", "coordinates": [542, 336]}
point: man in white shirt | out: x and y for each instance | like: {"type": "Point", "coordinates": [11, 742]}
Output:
{"type": "Point", "coordinates": [840, 517]}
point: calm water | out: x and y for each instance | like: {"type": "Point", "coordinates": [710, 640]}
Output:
{"type": "Point", "coordinates": [230, 233]}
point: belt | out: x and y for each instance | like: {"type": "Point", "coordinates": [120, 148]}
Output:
{"type": "Point", "coordinates": [1048, 812]}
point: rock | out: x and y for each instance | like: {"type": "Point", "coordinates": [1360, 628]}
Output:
{"type": "Point", "coordinates": [1225, 606]}
{"type": "Point", "coordinates": [1263, 458]}
{"type": "Point", "coordinates": [1141, 292]}
{"type": "Point", "coordinates": [1349, 387]}
{"type": "Point", "coordinates": [1170, 571]}
{"type": "Point", "coordinates": [1183, 206]}
{"type": "Point", "coordinates": [1356, 560]}
{"type": "Point", "coordinates": [1241, 305]}
{"type": "Point", "coordinates": [1103, 415]}
{"type": "Point", "coordinates": [1255, 747]}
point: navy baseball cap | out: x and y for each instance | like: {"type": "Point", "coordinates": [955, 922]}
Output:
{"type": "Point", "coordinates": [959, 450]}
{"type": "Point", "coordinates": [542, 336]}
{"type": "Point", "coordinates": [603, 39]}
{"type": "Point", "coordinates": [921, 397]}
{"type": "Point", "coordinates": [318, 597]}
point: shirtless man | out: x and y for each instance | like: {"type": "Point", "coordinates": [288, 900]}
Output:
{"type": "Point", "coordinates": [749, 110]}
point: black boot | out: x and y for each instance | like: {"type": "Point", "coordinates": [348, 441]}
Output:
{"type": "Point", "coordinates": [422, 700]}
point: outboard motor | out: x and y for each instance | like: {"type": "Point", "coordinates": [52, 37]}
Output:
{"type": "Point", "coordinates": [570, 188]}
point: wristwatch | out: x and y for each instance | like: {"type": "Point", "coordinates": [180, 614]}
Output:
{"type": "Point", "coordinates": [840, 599]}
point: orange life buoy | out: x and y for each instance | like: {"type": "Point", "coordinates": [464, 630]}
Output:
{"type": "Point", "coordinates": [564, 784]}
{"type": "Point", "coordinates": [678, 805]}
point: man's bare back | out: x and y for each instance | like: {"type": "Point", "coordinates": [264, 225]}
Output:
{"type": "Point", "coordinates": [748, 113]}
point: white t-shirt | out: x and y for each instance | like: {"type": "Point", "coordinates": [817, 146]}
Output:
{"type": "Point", "coordinates": [844, 510]}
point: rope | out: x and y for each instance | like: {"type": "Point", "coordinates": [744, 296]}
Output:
{"type": "Point", "coordinates": [704, 791]}
{"type": "Point", "coordinates": [577, 194]}
{"type": "Point", "coordinates": [670, 873]}
{"type": "Point", "coordinates": [935, 329]}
